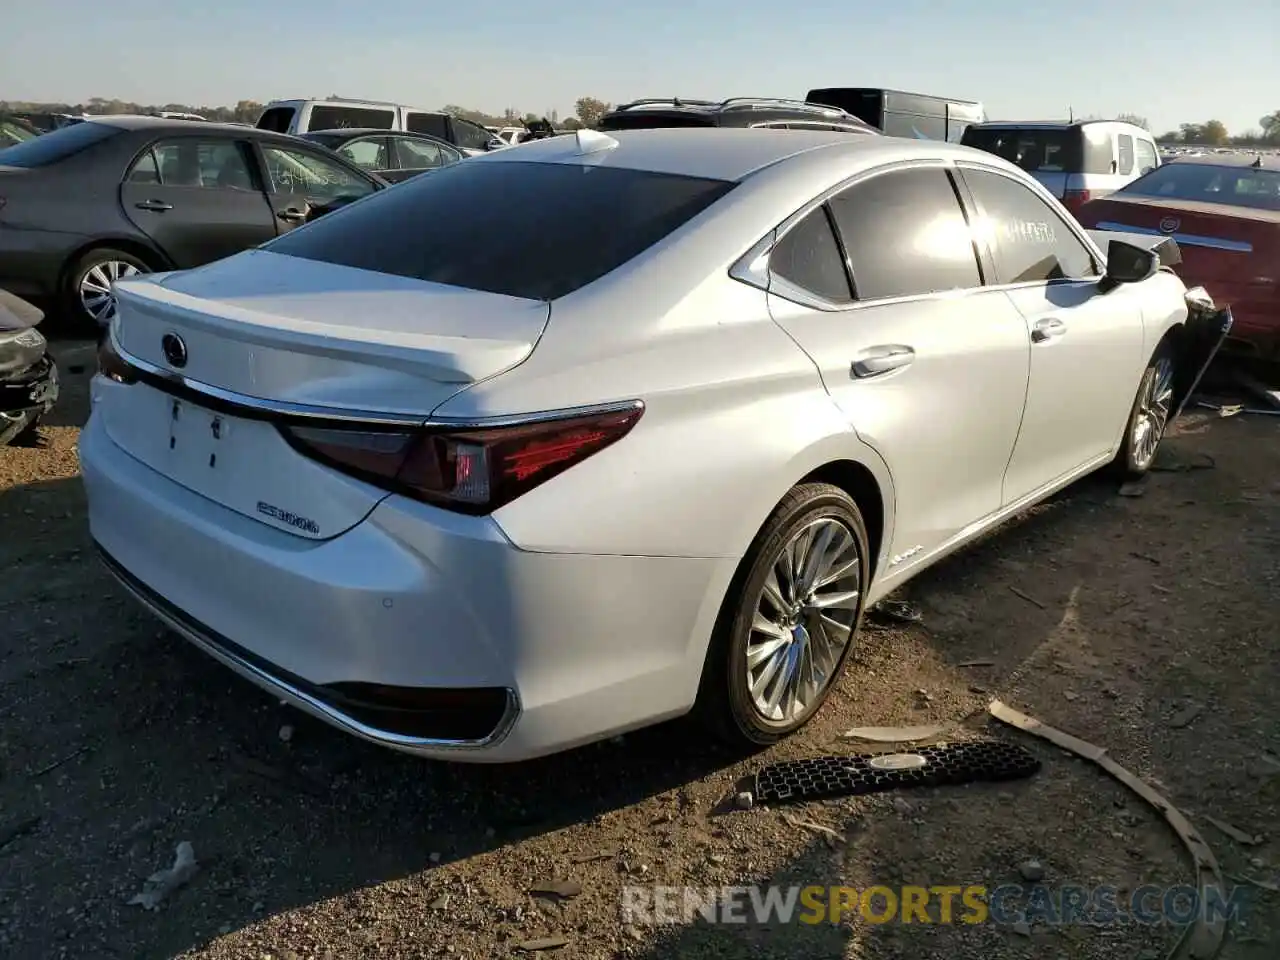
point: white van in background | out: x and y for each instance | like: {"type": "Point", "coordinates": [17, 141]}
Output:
{"type": "Point", "coordinates": [1077, 162]}
{"type": "Point", "coordinates": [307, 116]}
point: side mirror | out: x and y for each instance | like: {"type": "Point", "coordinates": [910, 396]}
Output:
{"type": "Point", "coordinates": [495, 143]}
{"type": "Point", "coordinates": [1127, 263]}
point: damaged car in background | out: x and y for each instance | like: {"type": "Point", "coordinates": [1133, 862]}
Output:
{"type": "Point", "coordinates": [1224, 214]}
{"type": "Point", "coordinates": [28, 374]}
{"type": "Point", "coordinates": [651, 448]}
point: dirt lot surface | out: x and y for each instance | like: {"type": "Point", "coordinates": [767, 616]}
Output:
{"type": "Point", "coordinates": [1147, 625]}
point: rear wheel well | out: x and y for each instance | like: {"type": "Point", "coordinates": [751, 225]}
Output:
{"type": "Point", "coordinates": [859, 483]}
{"type": "Point", "coordinates": [148, 255]}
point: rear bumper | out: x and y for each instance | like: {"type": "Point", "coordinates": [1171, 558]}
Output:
{"type": "Point", "coordinates": [582, 646]}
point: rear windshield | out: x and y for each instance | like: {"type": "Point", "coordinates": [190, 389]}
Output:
{"type": "Point", "coordinates": [652, 120]}
{"type": "Point", "coordinates": [531, 230]}
{"type": "Point", "coordinates": [336, 118]}
{"type": "Point", "coordinates": [56, 145]}
{"type": "Point", "coordinates": [1206, 183]}
{"type": "Point", "coordinates": [277, 119]}
{"type": "Point", "coordinates": [1036, 151]}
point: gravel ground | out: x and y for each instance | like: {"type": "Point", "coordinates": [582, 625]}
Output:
{"type": "Point", "coordinates": [1146, 625]}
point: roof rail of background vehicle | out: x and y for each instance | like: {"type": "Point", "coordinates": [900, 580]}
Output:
{"type": "Point", "coordinates": [770, 103]}
{"type": "Point", "coordinates": [372, 103]}
{"type": "Point", "coordinates": [1049, 123]}
{"type": "Point", "coordinates": [666, 102]}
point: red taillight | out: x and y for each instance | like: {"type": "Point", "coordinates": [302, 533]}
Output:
{"type": "Point", "coordinates": [1073, 200]}
{"type": "Point", "coordinates": [112, 366]}
{"type": "Point", "coordinates": [468, 470]}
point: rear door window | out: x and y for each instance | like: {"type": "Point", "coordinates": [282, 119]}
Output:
{"type": "Point", "coordinates": [191, 162]}
{"type": "Point", "coordinates": [576, 224]}
{"type": "Point", "coordinates": [906, 235]}
{"type": "Point", "coordinates": [368, 154]}
{"type": "Point", "coordinates": [1030, 242]}
{"type": "Point", "coordinates": [1124, 143]}
{"type": "Point", "coordinates": [328, 117]}
{"type": "Point", "coordinates": [809, 257]}
{"type": "Point", "coordinates": [421, 154]}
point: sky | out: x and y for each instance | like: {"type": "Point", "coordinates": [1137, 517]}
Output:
{"type": "Point", "coordinates": [1171, 61]}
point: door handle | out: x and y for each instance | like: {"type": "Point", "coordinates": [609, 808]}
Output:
{"type": "Point", "coordinates": [881, 360]}
{"type": "Point", "coordinates": [292, 215]}
{"type": "Point", "coordinates": [1047, 329]}
{"type": "Point", "coordinates": [159, 206]}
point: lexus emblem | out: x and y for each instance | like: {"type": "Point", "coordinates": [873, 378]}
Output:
{"type": "Point", "coordinates": [1169, 224]}
{"type": "Point", "coordinates": [175, 350]}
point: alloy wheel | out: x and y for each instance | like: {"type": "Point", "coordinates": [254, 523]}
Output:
{"type": "Point", "coordinates": [1153, 414]}
{"type": "Point", "coordinates": [803, 620]}
{"type": "Point", "coordinates": [96, 296]}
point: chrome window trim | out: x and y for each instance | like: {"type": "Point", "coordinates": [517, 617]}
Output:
{"type": "Point", "coordinates": [261, 408]}
{"type": "Point", "coordinates": [752, 268]}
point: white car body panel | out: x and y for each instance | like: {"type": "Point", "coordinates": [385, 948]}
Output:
{"type": "Point", "coordinates": [591, 597]}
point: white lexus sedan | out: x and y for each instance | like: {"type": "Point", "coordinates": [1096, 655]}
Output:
{"type": "Point", "coordinates": [486, 488]}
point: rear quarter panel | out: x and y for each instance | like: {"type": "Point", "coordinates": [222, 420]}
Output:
{"type": "Point", "coordinates": [735, 415]}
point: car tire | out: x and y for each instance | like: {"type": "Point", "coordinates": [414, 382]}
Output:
{"type": "Point", "coordinates": [756, 635]}
{"type": "Point", "coordinates": [85, 277]}
{"type": "Point", "coordinates": [1148, 417]}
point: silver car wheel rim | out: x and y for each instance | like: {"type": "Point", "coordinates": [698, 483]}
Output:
{"type": "Point", "coordinates": [803, 619]}
{"type": "Point", "coordinates": [95, 288]}
{"type": "Point", "coordinates": [1153, 414]}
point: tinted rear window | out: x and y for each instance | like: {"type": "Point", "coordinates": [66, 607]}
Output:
{"type": "Point", "coordinates": [532, 230]}
{"type": "Point", "coordinates": [1205, 183]}
{"type": "Point", "coordinates": [336, 118]}
{"type": "Point", "coordinates": [277, 119]}
{"type": "Point", "coordinates": [56, 145]}
{"type": "Point", "coordinates": [1036, 151]}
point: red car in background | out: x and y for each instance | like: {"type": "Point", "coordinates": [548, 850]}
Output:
{"type": "Point", "coordinates": [1224, 213]}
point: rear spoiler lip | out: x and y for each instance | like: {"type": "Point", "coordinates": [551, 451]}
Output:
{"type": "Point", "coordinates": [445, 359]}
{"type": "Point", "coordinates": [288, 412]}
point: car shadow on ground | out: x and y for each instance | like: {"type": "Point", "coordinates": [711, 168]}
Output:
{"type": "Point", "coordinates": [1091, 611]}
{"type": "Point", "coordinates": [1125, 631]}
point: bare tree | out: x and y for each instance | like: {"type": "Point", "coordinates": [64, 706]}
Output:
{"type": "Point", "coordinates": [589, 110]}
{"type": "Point", "coordinates": [1136, 120]}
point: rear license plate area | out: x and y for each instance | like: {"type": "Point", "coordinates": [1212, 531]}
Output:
{"type": "Point", "coordinates": [197, 441]}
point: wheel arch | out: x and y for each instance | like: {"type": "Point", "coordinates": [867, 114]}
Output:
{"type": "Point", "coordinates": [844, 461]}
{"type": "Point", "coordinates": [143, 250]}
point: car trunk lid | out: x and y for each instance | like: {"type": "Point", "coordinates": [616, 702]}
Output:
{"type": "Point", "coordinates": [1224, 248]}
{"type": "Point", "coordinates": [232, 349]}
